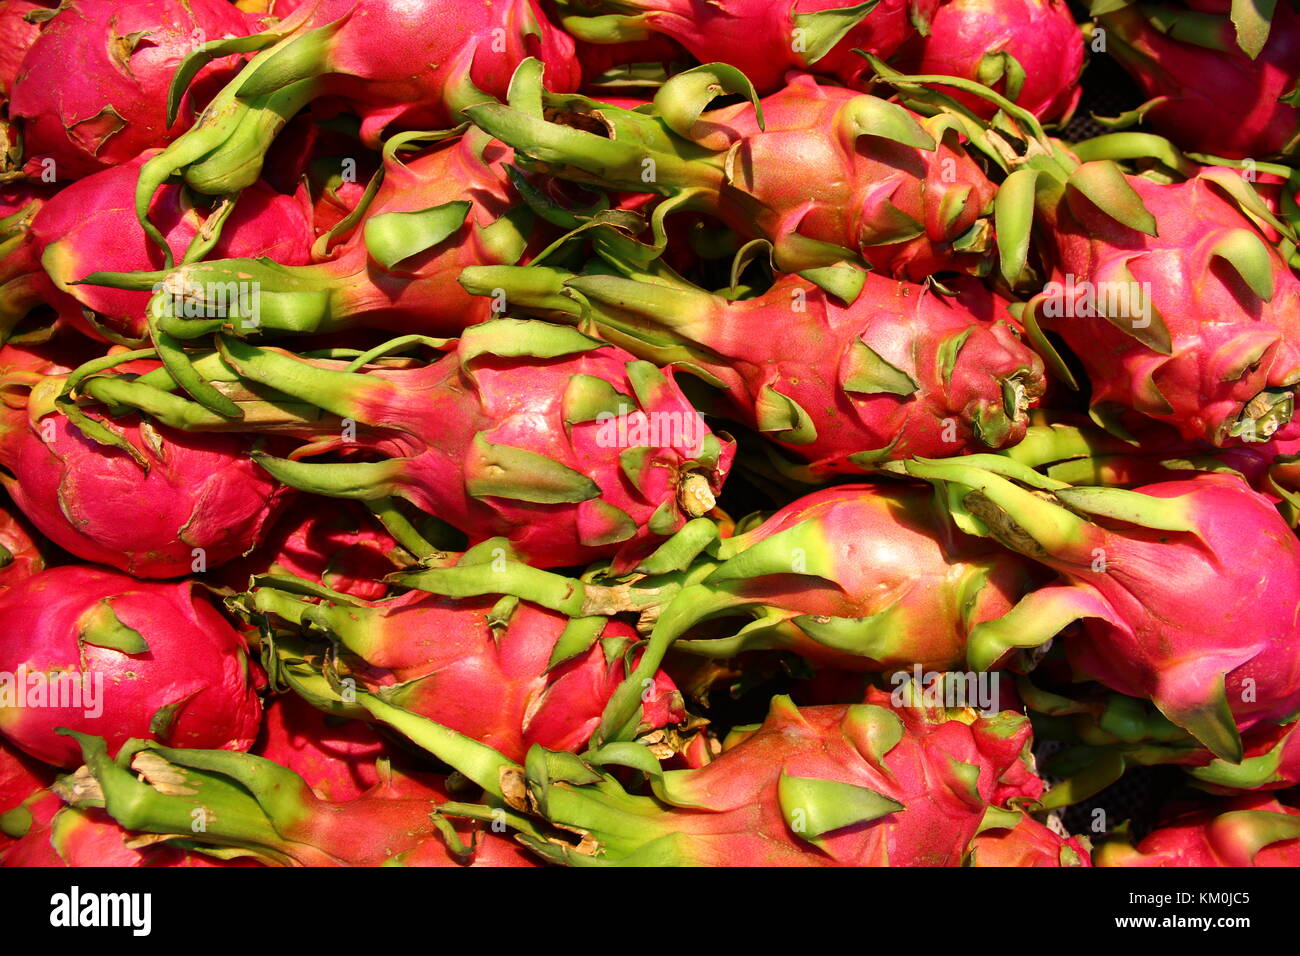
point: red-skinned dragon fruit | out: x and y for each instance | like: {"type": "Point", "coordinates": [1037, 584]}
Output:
{"type": "Point", "coordinates": [763, 40]}
{"type": "Point", "coordinates": [338, 544]}
{"type": "Point", "coordinates": [1145, 570]}
{"type": "Point", "coordinates": [1186, 314]}
{"type": "Point", "coordinates": [157, 503]}
{"type": "Point", "coordinates": [251, 806]}
{"type": "Point", "coordinates": [1214, 89]}
{"type": "Point", "coordinates": [21, 780]}
{"type": "Point", "coordinates": [901, 370]}
{"type": "Point", "coordinates": [1031, 51]}
{"type": "Point", "coordinates": [89, 227]}
{"type": "Point", "coordinates": [824, 174]}
{"type": "Point", "coordinates": [398, 65]}
{"type": "Point", "coordinates": [20, 554]}
{"type": "Point", "coordinates": [561, 443]}
{"type": "Point", "coordinates": [124, 54]}
{"type": "Point", "coordinates": [17, 34]}
{"type": "Point", "coordinates": [857, 577]}
{"type": "Point", "coordinates": [76, 836]}
{"type": "Point", "coordinates": [868, 784]}
{"type": "Point", "coordinates": [123, 658]}
{"type": "Point", "coordinates": [1010, 838]}
{"type": "Point", "coordinates": [446, 209]}
{"type": "Point", "coordinates": [335, 756]}
{"type": "Point", "coordinates": [511, 678]}
{"type": "Point", "coordinates": [1249, 831]}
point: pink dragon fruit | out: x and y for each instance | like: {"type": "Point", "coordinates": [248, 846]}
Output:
{"type": "Point", "coordinates": [76, 836]}
{"type": "Point", "coordinates": [21, 779]}
{"type": "Point", "coordinates": [20, 555]}
{"type": "Point", "coordinates": [764, 41]}
{"type": "Point", "coordinates": [529, 677]}
{"type": "Point", "coordinates": [17, 34]}
{"type": "Point", "coordinates": [337, 544]}
{"type": "Point", "coordinates": [1212, 92]}
{"type": "Point", "coordinates": [1185, 314]}
{"type": "Point", "coordinates": [252, 806]}
{"type": "Point", "coordinates": [398, 65]}
{"type": "Point", "coordinates": [1145, 570]}
{"type": "Point", "coordinates": [634, 65]}
{"type": "Point", "coordinates": [1015, 839]}
{"type": "Point", "coordinates": [901, 370]}
{"type": "Point", "coordinates": [824, 174]}
{"type": "Point", "coordinates": [334, 756]}
{"type": "Point", "coordinates": [869, 784]}
{"type": "Point", "coordinates": [162, 503]}
{"type": "Point", "coordinates": [1031, 51]}
{"type": "Point", "coordinates": [1249, 831]}
{"type": "Point", "coordinates": [89, 226]}
{"type": "Point", "coordinates": [566, 446]}
{"type": "Point", "coordinates": [125, 54]}
{"type": "Point", "coordinates": [449, 208]}
{"type": "Point", "coordinates": [130, 657]}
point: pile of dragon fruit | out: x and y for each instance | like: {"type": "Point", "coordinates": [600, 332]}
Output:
{"type": "Point", "coordinates": [669, 432]}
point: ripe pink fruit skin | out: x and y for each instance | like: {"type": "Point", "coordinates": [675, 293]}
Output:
{"type": "Point", "coordinates": [1028, 843]}
{"type": "Point", "coordinates": [740, 821]}
{"type": "Point", "coordinates": [195, 660]}
{"type": "Point", "coordinates": [24, 556]}
{"type": "Point", "coordinates": [443, 660]}
{"type": "Point", "coordinates": [16, 38]}
{"type": "Point", "coordinates": [1221, 101]}
{"type": "Point", "coordinates": [758, 36]}
{"type": "Point", "coordinates": [894, 550]}
{"type": "Point", "coordinates": [1040, 34]}
{"type": "Point", "coordinates": [91, 227]}
{"type": "Point", "coordinates": [90, 837]}
{"type": "Point", "coordinates": [21, 778]}
{"type": "Point", "coordinates": [1166, 589]}
{"type": "Point", "coordinates": [1216, 323]}
{"type": "Point", "coordinates": [202, 499]}
{"type": "Point", "coordinates": [804, 141]}
{"type": "Point", "coordinates": [335, 543]}
{"type": "Point", "coordinates": [117, 106]}
{"type": "Point", "coordinates": [428, 420]}
{"type": "Point", "coordinates": [1220, 835]}
{"type": "Point", "coordinates": [337, 759]}
{"type": "Point", "coordinates": [407, 64]}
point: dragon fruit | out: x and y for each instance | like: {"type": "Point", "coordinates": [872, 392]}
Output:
{"type": "Point", "coordinates": [1145, 570]}
{"type": "Point", "coordinates": [449, 208]}
{"type": "Point", "coordinates": [130, 657]}
{"type": "Point", "coordinates": [335, 757]}
{"type": "Point", "coordinates": [1031, 51]}
{"type": "Point", "coordinates": [824, 174]}
{"type": "Point", "coordinates": [398, 65]}
{"type": "Point", "coordinates": [566, 446]}
{"type": "Point", "coordinates": [868, 784]}
{"type": "Point", "coordinates": [252, 806]}
{"type": "Point", "coordinates": [20, 554]}
{"type": "Point", "coordinates": [337, 544]}
{"type": "Point", "coordinates": [22, 779]}
{"type": "Point", "coordinates": [914, 372]}
{"type": "Point", "coordinates": [125, 54]}
{"type": "Point", "coordinates": [161, 504]}
{"type": "Point", "coordinates": [1214, 91]}
{"type": "Point", "coordinates": [1200, 327]}
{"type": "Point", "coordinates": [634, 65]}
{"type": "Point", "coordinates": [508, 683]}
{"type": "Point", "coordinates": [74, 836]}
{"type": "Point", "coordinates": [1010, 838]}
{"type": "Point", "coordinates": [17, 34]}
{"type": "Point", "coordinates": [89, 226]}
{"type": "Point", "coordinates": [763, 40]}
{"type": "Point", "coordinates": [1249, 831]}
